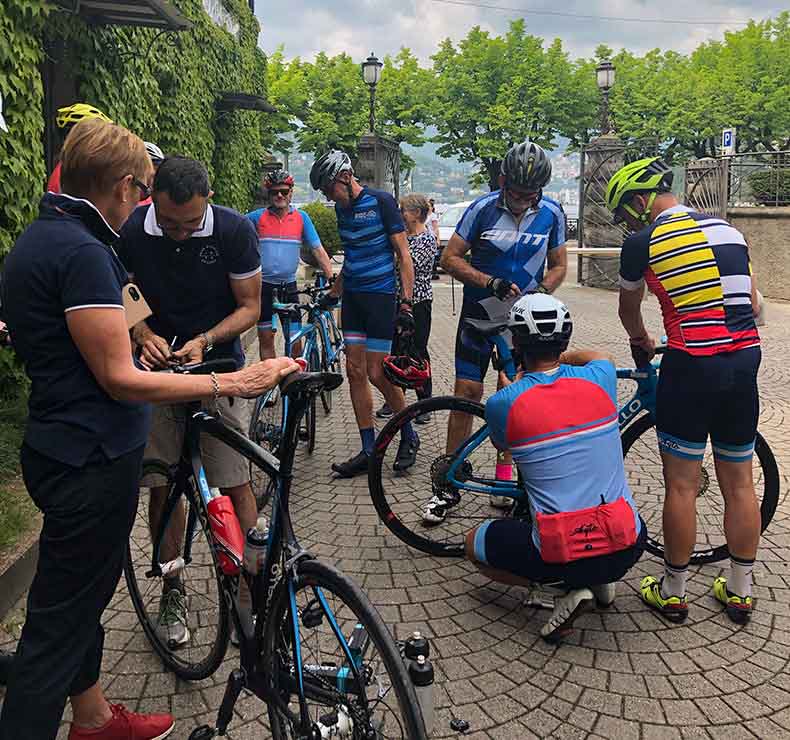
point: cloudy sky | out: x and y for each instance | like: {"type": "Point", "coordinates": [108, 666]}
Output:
{"type": "Point", "coordinates": [305, 27]}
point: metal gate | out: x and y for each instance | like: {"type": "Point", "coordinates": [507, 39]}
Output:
{"type": "Point", "coordinates": [600, 159]}
{"type": "Point", "coordinates": [707, 185]}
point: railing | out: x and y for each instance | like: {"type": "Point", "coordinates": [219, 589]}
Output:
{"type": "Point", "coordinates": [759, 178]}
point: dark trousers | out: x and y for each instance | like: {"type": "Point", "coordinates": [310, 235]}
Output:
{"type": "Point", "coordinates": [88, 515]}
{"type": "Point", "coordinates": [422, 332]}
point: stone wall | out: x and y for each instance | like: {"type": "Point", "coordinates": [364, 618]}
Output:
{"type": "Point", "coordinates": [767, 231]}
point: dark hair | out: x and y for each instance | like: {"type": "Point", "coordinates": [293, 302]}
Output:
{"type": "Point", "coordinates": [182, 179]}
{"type": "Point", "coordinates": [525, 357]}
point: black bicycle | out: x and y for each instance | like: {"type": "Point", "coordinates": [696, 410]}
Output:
{"type": "Point", "coordinates": [313, 647]}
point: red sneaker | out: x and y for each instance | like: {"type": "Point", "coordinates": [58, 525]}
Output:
{"type": "Point", "coordinates": [126, 725]}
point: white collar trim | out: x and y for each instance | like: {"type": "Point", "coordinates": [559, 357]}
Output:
{"type": "Point", "coordinates": [151, 227]}
{"type": "Point", "coordinates": [678, 208]}
{"type": "Point", "coordinates": [84, 200]}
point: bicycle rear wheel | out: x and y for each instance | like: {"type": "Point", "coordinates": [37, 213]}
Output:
{"type": "Point", "coordinates": [644, 472]}
{"type": "Point", "coordinates": [266, 427]}
{"type": "Point", "coordinates": [207, 620]}
{"type": "Point", "coordinates": [375, 701]}
{"type": "Point", "coordinates": [401, 498]}
{"type": "Point", "coordinates": [314, 365]}
{"type": "Point", "coordinates": [335, 341]}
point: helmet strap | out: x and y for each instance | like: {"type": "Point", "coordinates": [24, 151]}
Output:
{"type": "Point", "coordinates": [644, 216]}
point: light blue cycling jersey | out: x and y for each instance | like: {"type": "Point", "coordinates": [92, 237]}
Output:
{"type": "Point", "coordinates": [280, 241]}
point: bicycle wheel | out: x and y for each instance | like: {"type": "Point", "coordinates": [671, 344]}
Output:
{"type": "Point", "coordinates": [401, 498]}
{"type": "Point", "coordinates": [378, 701]}
{"type": "Point", "coordinates": [207, 621]}
{"type": "Point", "coordinates": [335, 340]}
{"type": "Point", "coordinates": [314, 365]}
{"type": "Point", "coordinates": [266, 425]}
{"type": "Point", "coordinates": [645, 476]}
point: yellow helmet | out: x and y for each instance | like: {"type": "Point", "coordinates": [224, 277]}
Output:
{"type": "Point", "coordinates": [75, 113]}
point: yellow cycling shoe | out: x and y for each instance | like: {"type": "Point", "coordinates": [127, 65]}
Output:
{"type": "Point", "coordinates": [674, 608]}
{"type": "Point", "coordinates": [739, 608]}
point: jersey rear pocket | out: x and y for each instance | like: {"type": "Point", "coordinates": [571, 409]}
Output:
{"type": "Point", "coordinates": [586, 533]}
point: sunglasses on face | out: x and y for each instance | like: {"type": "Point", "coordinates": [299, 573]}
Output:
{"type": "Point", "coordinates": [145, 190]}
{"type": "Point", "coordinates": [520, 195]}
{"type": "Point", "coordinates": [283, 193]}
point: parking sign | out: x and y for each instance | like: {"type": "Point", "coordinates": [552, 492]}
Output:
{"type": "Point", "coordinates": [728, 142]}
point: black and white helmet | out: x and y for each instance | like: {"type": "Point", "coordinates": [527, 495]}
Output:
{"type": "Point", "coordinates": [526, 166]}
{"type": "Point", "coordinates": [539, 322]}
{"type": "Point", "coordinates": [327, 167]}
{"type": "Point", "coordinates": [154, 152]}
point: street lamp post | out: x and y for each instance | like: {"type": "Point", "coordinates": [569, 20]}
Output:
{"type": "Point", "coordinates": [604, 76]}
{"type": "Point", "coordinates": [371, 73]}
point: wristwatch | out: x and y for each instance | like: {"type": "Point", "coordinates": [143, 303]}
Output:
{"type": "Point", "coordinates": [209, 345]}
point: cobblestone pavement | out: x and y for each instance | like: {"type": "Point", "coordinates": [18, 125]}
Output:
{"type": "Point", "coordinates": [623, 673]}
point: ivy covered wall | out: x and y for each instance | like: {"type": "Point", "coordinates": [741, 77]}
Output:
{"type": "Point", "coordinates": [162, 87]}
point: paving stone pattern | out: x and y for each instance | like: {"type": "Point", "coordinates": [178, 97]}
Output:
{"type": "Point", "coordinates": [623, 673]}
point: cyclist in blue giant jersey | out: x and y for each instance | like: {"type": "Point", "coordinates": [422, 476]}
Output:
{"type": "Point", "coordinates": [372, 232]}
{"type": "Point", "coordinates": [282, 232]}
{"type": "Point", "coordinates": [559, 421]}
{"type": "Point", "coordinates": [513, 233]}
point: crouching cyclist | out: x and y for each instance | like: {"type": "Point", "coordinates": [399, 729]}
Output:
{"type": "Point", "coordinates": [559, 421]}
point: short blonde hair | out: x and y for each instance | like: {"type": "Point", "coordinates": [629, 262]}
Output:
{"type": "Point", "coordinates": [97, 154]}
{"type": "Point", "coordinates": [416, 202]}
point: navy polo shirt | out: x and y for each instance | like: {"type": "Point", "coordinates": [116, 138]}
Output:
{"type": "Point", "coordinates": [188, 284]}
{"type": "Point", "coordinates": [63, 262]}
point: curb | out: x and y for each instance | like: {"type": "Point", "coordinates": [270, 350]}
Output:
{"type": "Point", "coordinates": [16, 579]}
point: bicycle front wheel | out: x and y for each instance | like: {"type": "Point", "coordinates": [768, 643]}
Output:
{"type": "Point", "coordinates": [644, 472]}
{"type": "Point", "coordinates": [368, 697]}
{"type": "Point", "coordinates": [401, 498]}
{"type": "Point", "coordinates": [335, 340]}
{"type": "Point", "coordinates": [191, 638]}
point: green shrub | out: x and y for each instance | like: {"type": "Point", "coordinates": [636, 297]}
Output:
{"type": "Point", "coordinates": [771, 186]}
{"type": "Point", "coordinates": [325, 222]}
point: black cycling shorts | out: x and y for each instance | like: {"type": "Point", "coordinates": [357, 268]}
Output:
{"type": "Point", "coordinates": [472, 352]}
{"type": "Point", "coordinates": [368, 319]}
{"type": "Point", "coordinates": [507, 545]}
{"type": "Point", "coordinates": [267, 320]}
{"type": "Point", "coordinates": [714, 396]}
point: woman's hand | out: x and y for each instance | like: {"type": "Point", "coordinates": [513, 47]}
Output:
{"type": "Point", "coordinates": [261, 376]}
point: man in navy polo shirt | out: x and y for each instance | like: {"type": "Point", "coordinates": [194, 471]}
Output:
{"type": "Point", "coordinates": [198, 266]}
{"type": "Point", "coordinates": [513, 234]}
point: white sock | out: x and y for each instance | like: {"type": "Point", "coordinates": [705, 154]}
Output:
{"type": "Point", "coordinates": [740, 580]}
{"type": "Point", "coordinates": [674, 581]}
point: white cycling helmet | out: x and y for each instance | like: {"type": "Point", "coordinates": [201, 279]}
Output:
{"type": "Point", "coordinates": [156, 154]}
{"type": "Point", "coordinates": [540, 323]}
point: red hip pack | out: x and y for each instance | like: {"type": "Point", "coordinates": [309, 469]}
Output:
{"type": "Point", "coordinates": [586, 533]}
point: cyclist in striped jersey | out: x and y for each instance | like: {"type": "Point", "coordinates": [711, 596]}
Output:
{"type": "Point", "coordinates": [698, 267]}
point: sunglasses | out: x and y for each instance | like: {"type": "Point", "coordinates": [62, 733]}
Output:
{"type": "Point", "coordinates": [145, 190]}
{"type": "Point", "coordinates": [520, 195]}
{"type": "Point", "coordinates": [284, 193]}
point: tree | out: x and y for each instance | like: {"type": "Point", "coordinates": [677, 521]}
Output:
{"type": "Point", "coordinates": [493, 92]}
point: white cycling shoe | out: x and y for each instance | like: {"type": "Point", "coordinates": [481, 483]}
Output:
{"type": "Point", "coordinates": [566, 609]}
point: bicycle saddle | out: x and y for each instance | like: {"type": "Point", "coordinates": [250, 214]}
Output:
{"type": "Point", "coordinates": [311, 383]}
{"type": "Point", "coordinates": [485, 327]}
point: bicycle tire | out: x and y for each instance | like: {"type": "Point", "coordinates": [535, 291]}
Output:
{"type": "Point", "coordinates": [397, 509]}
{"type": "Point", "coordinates": [182, 661]}
{"type": "Point", "coordinates": [770, 490]}
{"type": "Point", "coordinates": [326, 366]}
{"type": "Point", "coordinates": [314, 365]}
{"type": "Point", "coordinates": [354, 608]}
{"type": "Point", "coordinates": [265, 430]}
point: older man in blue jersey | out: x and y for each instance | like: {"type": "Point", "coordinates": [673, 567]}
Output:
{"type": "Point", "coordinates": [513, 234]}
{"type": "Point", "coordinates": [372, 233]}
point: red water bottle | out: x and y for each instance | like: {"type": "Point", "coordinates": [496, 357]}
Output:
{"type": "Point", "coordinates": [227, 533]}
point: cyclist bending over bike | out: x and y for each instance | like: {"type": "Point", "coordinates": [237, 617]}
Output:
{"type": "Point", "coordinates": [559, 421]}
{"type": "Point", "coordinates": [698, 267]}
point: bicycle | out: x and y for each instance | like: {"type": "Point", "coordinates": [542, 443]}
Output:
{"type": "Point", "coordinates": [470, 470]}
{"type": "Point", "coordinates": [322, 348]}
{"type": "Point", "coordinates": [313, 647]}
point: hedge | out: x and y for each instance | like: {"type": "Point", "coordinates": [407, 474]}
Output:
{"type": "Point", "coordinates": [325, 222]}
{"type": "Point", "coordinates": [771, 186]}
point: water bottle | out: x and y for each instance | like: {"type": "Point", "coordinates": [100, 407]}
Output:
{"type": "Point", "coordinates": [416, 645]}
{"type": "Point", "coordinates": [421, 674]}
{"type": "Point", "coordinates": [255, 547]}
